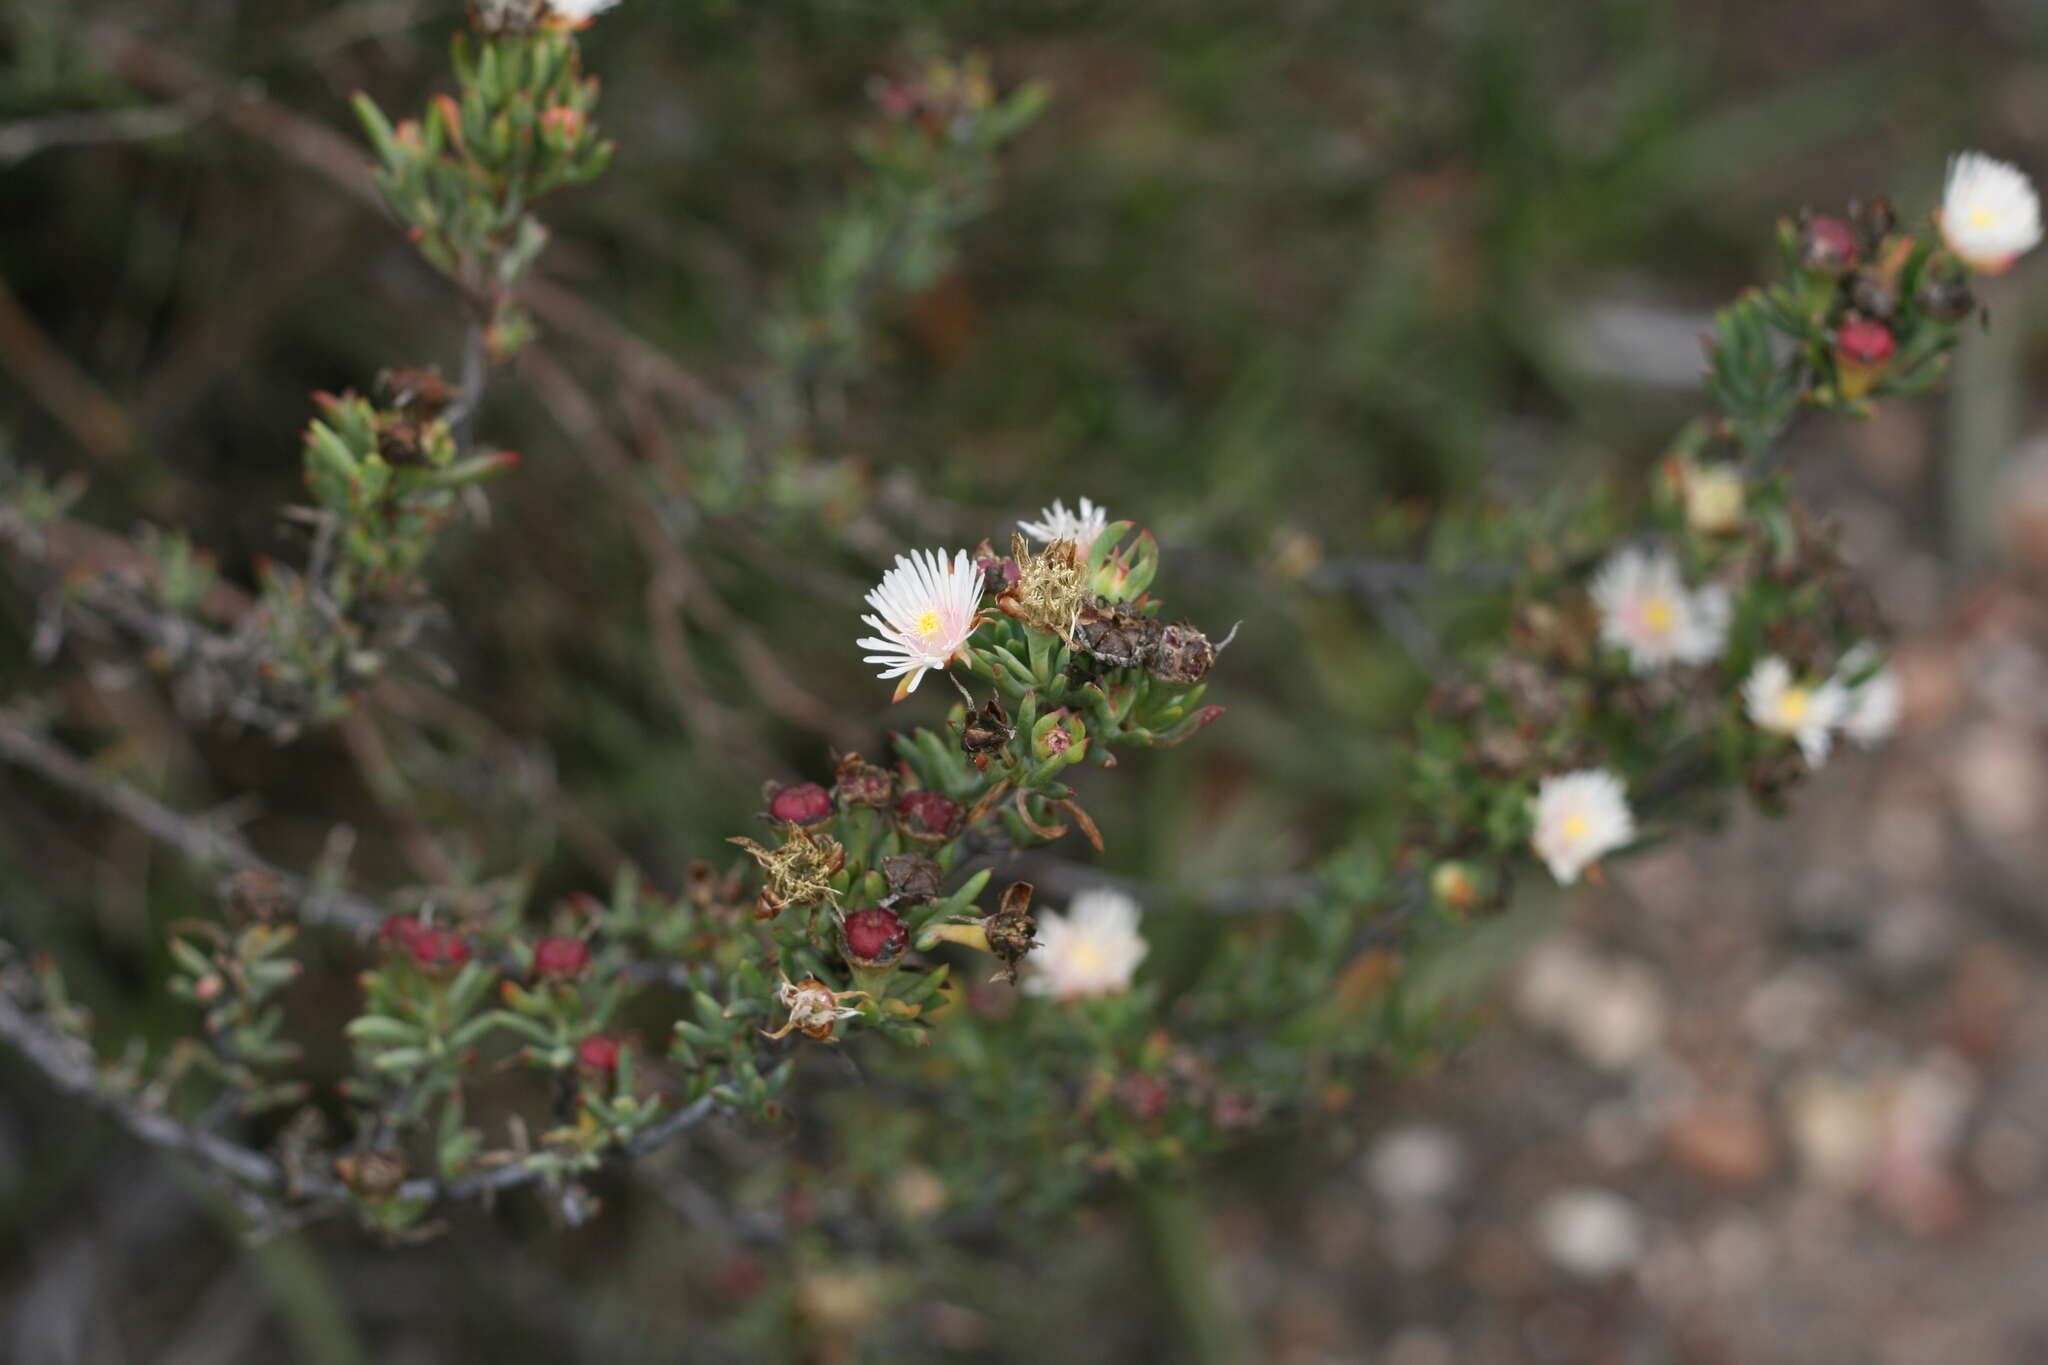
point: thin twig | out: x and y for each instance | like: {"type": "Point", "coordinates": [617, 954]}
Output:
{"type": "Point", "coordinates": [201, 842]}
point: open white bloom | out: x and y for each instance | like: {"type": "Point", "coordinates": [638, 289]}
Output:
{"type": "Point", "coordinates": [1091, 950]}
{"type": "Point", "coordinates": [1807, 712]}
{"type": "Point", "coordinates": [1057, 523]}
{"type": "Point", "coordinates": [1989, 212]}
{"type": "Point", "coordinates": [579, 11]}
{"type": "Point", "coordinates": [1580, 817]}
{"type": "Point", "coordinates": [928, 608]}
{"type": "Point", "coordinates": [1874, 704]}
{"type": "Point", "coordinates": [1646, 609]}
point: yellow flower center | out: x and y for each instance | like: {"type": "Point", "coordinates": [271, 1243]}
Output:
{"type": "Point", "coordinates": [1981, 218]}
{"type": "Point", "coordinates": [1659, 615]}
{"type": "Point", "coordinates": [1792, 706]}
{"type": "Point", "coordinates": [1088, 955]}
{"type": "Point", "coordinates": [928, 624]}
{"type": "Point", "coordinates": [1577, 826]}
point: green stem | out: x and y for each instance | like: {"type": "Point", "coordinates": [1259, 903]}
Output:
{"type": "Point", "coordinates": [1209, 1325]}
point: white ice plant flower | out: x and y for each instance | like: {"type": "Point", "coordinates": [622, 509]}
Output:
{"type": "Point", "coordinates": [928, 607]}
{"type": "Point", "coordinates": [1808, 713]}
{"type": "Point", "coordinates": [1580, 818]}
{"type": "Point", "coordinates": [579, 12]}
{"type": "Point", "coordinates": [1057, 523]}
{"type": "Point", "coordinates": [1875, 703]}
{"type": "Point", "coordinates": [1646, 609]}
{"type": "Point", "coordinates": [1989, 212]}
{"type": "Point", "coordinates": [1091, 950]}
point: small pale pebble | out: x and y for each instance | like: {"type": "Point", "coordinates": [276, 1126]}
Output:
{"type": "Point", "coordinates": [1417, 1163]}
{"type": "Point", "coordinates": [1591, 1233]}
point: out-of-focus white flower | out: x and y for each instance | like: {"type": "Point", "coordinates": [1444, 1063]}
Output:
{"type": "Point", "coordinates": [1807, 712]}
{"type": "Point", "coordinates": [814, 1007]}
{"type": "Point", "coordinates": [929, 606]}
{"type": "Point", "coordinates": [1091, 950]}
{"type": "Point", "coordinates": [1057, 523]}
{"type": "Point", "coordinates": [1580, 817]}
{"type": "Point", "coordinates": [1989, 212]}
{"type": "Point", "coordinates": [1646, 610]}
{"type": "Point", "coordinates": [1875, 703]}
{"type": "Point", "coordinates": [578, 12]}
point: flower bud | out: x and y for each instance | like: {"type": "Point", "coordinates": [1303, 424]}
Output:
{"type": "Point", "coordinates": [1455, 887]}
{"type": "Point", "coordinates": [1862, 350]}
{"type": "Point", "coordinates": [562, 125]}
{"type": "Point", "coordinates": [1827, 245]}
{"type": "Point", "coordinates": [599, 1055]}
{"type": "Point", "coordinates": [928, 816]}
{"type": "Point", "coordinates": [1060, 734]}
{"type": "Point", "coordinates": [874, 938]}
{"type": "Point", "coordinates": [560, 957]}
{"type": "Point", "coordinates": [807, 803]}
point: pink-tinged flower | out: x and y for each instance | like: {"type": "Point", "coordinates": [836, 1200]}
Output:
{"type": "Point", "coordinates": [1807, 713]}
{"type": "Point", "coordinates": [1091, 950]}
{"type": "Point", "coordinates": [1990, 214]}
{"type": "Point", "coordinates": [1580, 817]}
{"type": "Point", "coordinates": [1646, 610]}
{"type": "Point", "coordinates": [928, 608]}
{"type": "Point", "coordinates": [1057, 523]}
{"type": "Point", "coordinates": [560, 957]}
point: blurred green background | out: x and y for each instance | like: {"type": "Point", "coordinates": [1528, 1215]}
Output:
{"type": "Point", "coordinates": [1279, 280]}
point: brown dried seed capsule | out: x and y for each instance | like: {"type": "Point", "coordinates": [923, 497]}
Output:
{"type": "Point", "coordinates": [1182, 655]}
{"type": "Point", "coordinates": [421, 395]}
{"type": "Point", "coordinates": [985, 731]}
{"type": "Point", "coordinates": [255, 895]}
{"type": "Point", "coordinates": [1012, 930]}
{"type": "Point", "coordinates": [1114, 637]}
{"type": "Point", "coordinates": [372, 1175]}
{"type": "Point", "coordinates": [912, 878]}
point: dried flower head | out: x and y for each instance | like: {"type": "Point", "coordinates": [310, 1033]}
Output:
{"type": "Point", "coordinates": [1580, 817]}
{"type": "Point", "coordinates": [1807, 713]}
{"type": "Point", "coordinates": [858, 782]}
{"type": "Point", "coordinates": [814, 1008]}
{"type": "Point", "coordinates": [1646, 610]}
{"type": "Point", "coordinates": [1012, 931]}
{"type": "Point", "coordinates": [1989, 212]}
{"type": "Point", "coordinates": [799, 873]}
{"type": "Point", "coordinates": [929, 607]}
{"type": "Point", "coordinates": [1092, 950]}
{"type": "Point", "coordinates": [1051, 586]}
{"type": "Point", "coordinates": [1057, 523]}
